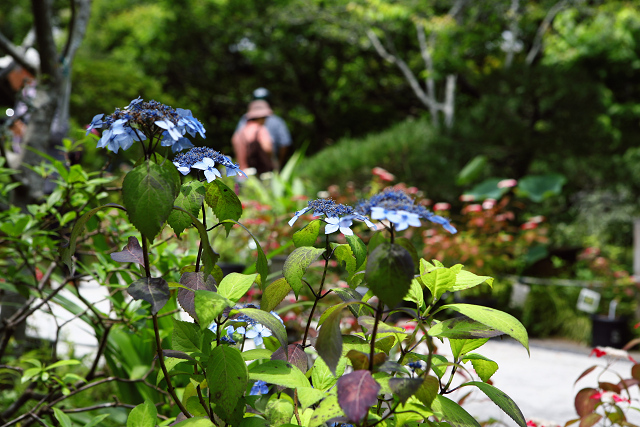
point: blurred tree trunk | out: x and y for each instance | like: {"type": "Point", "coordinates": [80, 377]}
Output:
{"type": "Point", "coordinates": [49, 112]}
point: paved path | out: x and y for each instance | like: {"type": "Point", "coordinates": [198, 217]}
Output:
{"type": "Point", "coordinates": [543, 385]}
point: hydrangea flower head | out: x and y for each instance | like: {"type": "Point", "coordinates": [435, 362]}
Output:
{"type": "Point", "coordinates": [337, 216]}
{"type": "Point", "coordinates": [399, 209]}
{"type": "Point", "coordinates": [205, 159]}
{"type": "Point", "coordinates": [259, 387]}
{"type": "Point", "coordinates": [142, 120]}
{"type": "Point", "coordinates": [257, 333]}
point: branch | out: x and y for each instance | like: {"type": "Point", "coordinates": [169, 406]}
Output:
{"type": "Point", "coordinates": [406, 71]}
{"type": "Point", "coordinates": [544, 26]}
{"type": "Point", "coordinates": [16, 54]}
{"type": "Point", "coordinates": [44, 35]}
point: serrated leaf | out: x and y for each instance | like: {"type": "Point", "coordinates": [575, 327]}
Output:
{"type": "Point", "coordinates": [344, 255]}
{"type": "Point", "coordinates": [368, 322]}
{"type": "Point", "coordinates": [209, 305]}
{"type": "Point", "coordinates": [389, 273]}
{"type": "Point", "coordinates": [358, 248]}
{"type": "Point", "coordinates": [321, 375]}
{"type": "Point", "coordinates": [274, 294]}
{"type": "Point", "coordinates": [460, 347]}
{"type": "Point", "coordinates": [309, 396]}
{"type": "Point", "coordinates": [227, 378]}
{"type": "Point", "coordinates": [209, 257]}
{"type": "Point", "coordinates": [269, 321]}
{"type": "Point", "coordinates": [224, 202]}
{"type": "Point", "coordinates": [501, 399]}
{"type": "Point", "coordinates": [296, 265]}
{"type": "Point", "coordinates": [235, 285]}
{"type": "Point", "coordinates": [484, 367]}
{"type": "Point", "coordinates": [448, 410]}
{"type": "Point", "coordinates": [496, 319]}
{"type": "Point", "coordinates": [439, 281]}
{"type": "Point", "coordinates": [462, 328]}
{"type": "Point", "coordinates": [143, 415]}
{"type": "Point", "coordinates": [466, 280]}
{"type": "Point", "coordinates": [357, 392]}
{"type": "Point", "coordinates": [329, 341]}
{"type": "Point", "coordinates": [257, 353]}
{"type": "Point", "coordinates": [428, 390]}
{"type": "Point", "coordinates": [262, 265]}
{"type": "Point", "coordinates": [328, 409]}
{"type": "Point", "coordinates": [347, 295]}
{"type": "Point", "coordinates": [280, 373]}
{"type": "Point", "coordinates": [154, 290]}
{"type": "Point", "coordinates": [195, 282]}
{"type": "Point", "coordinates": [295, 355]}
{"type": "Point", "coordinates": [307, 235]}
{"type": "Point", "coordinates": [404, 388]}
{"type": "Point", "coordinates": [190, 199]}
{"type": "Point", "coordinates": [148, 193]}
{"type": "Point", "coordinates": [194, 422]}
{"type": "Point", "coordinates": [186, 336]}
{"type": "Point", "coordinates": [130, 253]}
{"type": "Point", "coordinates": [415, 294]}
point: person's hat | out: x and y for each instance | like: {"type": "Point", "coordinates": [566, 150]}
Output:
{"type": "Point", "coordinates": [261, 93]}
{"type": "Point", "coordinates": [258, 109]}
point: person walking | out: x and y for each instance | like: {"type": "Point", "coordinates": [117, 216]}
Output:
{"type": "Point", "coordinates": [276, 127]}
{"type": "Point", "coordinates": [252, 143]}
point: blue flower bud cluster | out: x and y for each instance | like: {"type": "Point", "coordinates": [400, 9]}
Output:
{"type": "Point", "coordinates": [142, 120]}
{"type": "Point", "coordinates": [398, 208]}
{"type": "Point", "coordinates": [205, 159]}
{"type": "Point", "coordinates": [337, 216]}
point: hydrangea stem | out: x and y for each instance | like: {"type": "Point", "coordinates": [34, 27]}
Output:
{"type": "Point", "coordinates": [318, 296]}
{"type": "Point", "coordinates": [373, 334]}
{"type": "Point", "coordinates": [204, 224]}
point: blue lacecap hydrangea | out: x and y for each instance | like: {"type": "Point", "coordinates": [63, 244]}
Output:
{"type": "Point", "coordinates": [258, 388]}
{"type": "Point", "coordinates": [246, 326]}
{"type": "Point", "coordinates": [206, 159]}
{"type": "Point", "coordinates": [143, 119]}
{"type": "Point", "coordinates": [398, 208]}
{"type": "Point", "coordinates": [337, 216]}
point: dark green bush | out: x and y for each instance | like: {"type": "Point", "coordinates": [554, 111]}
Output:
{"type": "Point", "coordinates": [412, 150]}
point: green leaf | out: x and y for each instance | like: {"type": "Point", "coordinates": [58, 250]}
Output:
{"type": "Point", "coordinates": [483, 366]}
{"type": "Point", "coordinates": [321, 375]}
{"type": "Point", "coordinates": [235, 285]}
{"type": "Point", "coordinates": [472, 170]}
{"type": "Point", "coordinates": [274, 294]}
{"type": "Point", "coordinates": [368, 322]}
{"type": "Point", "coordinates": [209, 305]}
{"type": "Point", "coordinates": [224, 202]}
{"type": "Point", "coordinates": [375, 240]}
{"type": "Point", "coordinates": [296, 265]}
{"type": "Point", "coordinates": [329, 342]}
{"type": "Point", "coordinates": [406, 243]}
{"type": "Point", "coordinates": [278, 412]}
{"type": "Point", "coordinates": [62, 363]}
{"type": "Point", "coordinates": [389, 273]}
{"type": "Point", "coordinates": [462, 328]}
{"type": "Point", "coordinates": [540, 187]}
{"type": "Point", "coordinates": [415, 294]}
{"type": "Point", "coordinates": [96, 420]}
{"type": "Point", "coordinates": [344, 255]}
{"type": "Point", "coordinates": [309, 396]}
{"type": "Point", "coordinates": [209, 257]}
{"type": "Point", "coordinates": [428, 390]}
{"type": "Point", "coordinates": [78, 228]}
{"type": "Point", "coordinates": [143, 415]}
{"type": "Point", "coordinates": [358, 248]}
{"type": "Point", "coordinates": [439, 281]}
{"type": "Point", "coordinates": [65, 421]}
{"type": "Point", "coordinates": [449, 411]}
{"type": "Point", "coordinates": [466, 280]}
{"type": "Point", "coordinates": [502, 400]}
{"type": "Point", "coordinates": [262, 265]}
{"type": "Point", "coordinates": [227, 378]}
{"type": "Point", "coordinates": [190, 199]}
{"type": "Point", "coordinates": [148, 193]}
{"type": "Point", "coordinates": [404, 388]}
{"type": "Point", "coordinates": [348, 295]}
{"type": "Point", "coordinates": [461, 347]}
{"type": "Point", "coordinates": [257, 353]}
{"type": "Point", "coordinates": [280, 373]}
{"type": "Point", "coordinates": [494, 319]}
{"type": "Point", "coordinates": [308, 235]}
{"type": "Point", "coordinates": [154, 290]}
{"type": "Point", "coordinates": [268, 320]}
{"type": "Point", "coordinates": [328, 409]}
{"type": "Point", "coordinates": [487, 189]}
{"type": "Point", "coordinates": [195, 422]}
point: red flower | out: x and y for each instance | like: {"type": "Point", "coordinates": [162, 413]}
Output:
{"type": "Point", "coordinates": [442, 206]}
{"type": "Point", "coordinates": [598, 352]}
{"type": "Point", "coordinates": [383, 174]}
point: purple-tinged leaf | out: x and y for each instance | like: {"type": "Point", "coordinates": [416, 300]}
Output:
{"type": "Point", "coordinates": [357, 392]}
{"type": "Point", "coordinates": [609, 387]}
{"type": "Point", "coordinates": [295, 356]}
{"type": "Point", "coordinates": [590, 420]}
{"type": "Point", "coordinates": [130, 253]}
{"type": "Point", "coordinates": [404, 388]}
{"type": "Point", "coordinates": [329, 342]}
{"type": "Point", "coordinates": [195, 282]}
{"type": "Point", "coordinates": [584, 404]}
{"type": "Point", "coordinates": [359, 360]}
{"type": "Point", "coordinates": [587, 372]}
{"type": "Point", "coordinates": [635, 371]}
{"type": "Point", "coordinates": [175, 354]}
{"type": "Point", "coordinates": [155, 291]}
